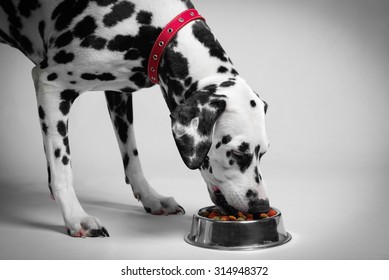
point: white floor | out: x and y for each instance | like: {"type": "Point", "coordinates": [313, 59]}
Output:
{"type": "Point", "coordinates": [323, 225]}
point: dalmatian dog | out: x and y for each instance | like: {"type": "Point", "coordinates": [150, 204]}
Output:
{"type": "Point", "coordinates": [217, 120]}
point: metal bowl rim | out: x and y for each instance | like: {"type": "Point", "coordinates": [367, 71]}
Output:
{"type": "Point", "coordinates": [235, 222]}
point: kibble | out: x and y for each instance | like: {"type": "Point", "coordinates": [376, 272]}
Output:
{"type": "Point", "coordinates": [218, 216]}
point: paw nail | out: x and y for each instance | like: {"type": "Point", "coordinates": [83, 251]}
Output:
{"type": "Point", "coordinates": [105, 231]}
{"type": "Point", "coordinates": [181, 209]}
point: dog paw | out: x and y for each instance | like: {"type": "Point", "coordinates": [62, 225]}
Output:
{"type": "Point", "coordinates": [162, 206]}
{"type": "Point", "coordinates": [87, 227]}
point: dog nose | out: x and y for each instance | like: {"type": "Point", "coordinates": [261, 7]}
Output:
{"type": "Point", "coordinates": [259, 206]}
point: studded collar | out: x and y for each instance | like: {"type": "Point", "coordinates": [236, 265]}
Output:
{"type": "Point", "coordinates": [165, 37]}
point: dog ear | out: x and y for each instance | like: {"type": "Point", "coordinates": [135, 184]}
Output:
{"type": "Point", "coordinates": [193, 123]}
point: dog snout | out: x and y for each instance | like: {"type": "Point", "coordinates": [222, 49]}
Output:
{"type": "Point", "coordinates": [257, 204]}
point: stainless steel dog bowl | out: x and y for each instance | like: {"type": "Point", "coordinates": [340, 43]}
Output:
{"type": "Point", "coordinates": [237, 235]}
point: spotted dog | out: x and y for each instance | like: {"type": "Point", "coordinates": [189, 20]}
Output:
{"type": "Point", "coordinates": [104, 45]}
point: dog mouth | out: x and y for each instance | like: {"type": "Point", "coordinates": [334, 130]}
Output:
{"type": "Point", "coordinates": [254, 204]}
{"type": "Point", "coordinates": [220, 200]}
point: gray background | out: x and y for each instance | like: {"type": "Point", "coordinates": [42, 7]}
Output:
{"type": "Point", "coordinates": [323, 68]}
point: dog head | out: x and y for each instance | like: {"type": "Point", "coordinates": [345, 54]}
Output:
{"type": "Point", "coordinates": [220, 130]}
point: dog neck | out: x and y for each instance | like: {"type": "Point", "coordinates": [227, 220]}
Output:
{"type": "Point", "coordinates": [193, 60]}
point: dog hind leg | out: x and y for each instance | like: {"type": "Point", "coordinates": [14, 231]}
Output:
{"type": "Point", "coordinates": [121, 113]}
{"type": "Point", "coordinates": [54, 105]}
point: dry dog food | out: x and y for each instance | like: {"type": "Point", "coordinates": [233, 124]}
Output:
{"type": "Point", "coordinates": [217, 215]}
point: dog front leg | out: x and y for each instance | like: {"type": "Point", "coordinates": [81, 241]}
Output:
{"type": "Point", "coordinates": [120, 110]}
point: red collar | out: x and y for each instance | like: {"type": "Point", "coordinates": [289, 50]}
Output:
{"type": "Point", "coordinates": [165, 37]}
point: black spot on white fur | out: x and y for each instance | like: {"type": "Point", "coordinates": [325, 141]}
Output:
{"type": "Point", "coordinates": [119, 12]}
{"type": "Point", "coordinates": [266, 106]}
{"type": "Point", "coordinates": [61, 128]}
{"type": "Point", "coordinates": [126, 160]}
{"type": "Point", "coordinates": [121, 43]}
{"type": "Point", "coordinates": [57, 152]}
{"type": "Point", "coordinates": [41, 113]}
{"type": "Point", "coordinates": [85, 27]}
{"type": "Point", "coordinates": [66, 11]}
{"type": "Point", "coordinates": [120, 107]}
{"type": "Point", "coordinates": [234, 72]}
{"type": "Point", "coordinates": [104, 3]}
{"type": "Point", "coordinates": [66, 143]}
{"type": "Point", "coordinates": [63, 57]}
{"type": "Point", "coordinates": [222, 69]}
{"type": "Point", "coordinates": [227, 84]}
{"type": "Point", "coordinates": [65, 160]}
{"type": "Point", "coordinates": [9, 8]}
{"type": "Point", "coordinates": [94, 42]}
{"type": "Point", "coordinates": [101, 77]}
{"type": "Point", "coordinates": [41, 29]}
{"type": "Point", "coordinates": [244, 147]}
{"type": "Point", "coordinates": [43, 64]}
{"type": "Point", "coordinates": [242, 157]}
{"type": "Point", "coordinates": [257, 176]}
{"type": "Point", "coordinates": [188, 4]}
{"type": "Point", "coordinates": [205, 36]}
{"type": "Point", "coordinates": [144, 17]}
{"type": "Point", "coordinates": [27, 7]}
{"type": "Point", "coordinates": [67, 98]}
{"type": "Point", "coordinates": [256, 150]}
{"type": "Point", "coordinates": [15, 37]}
{"type": "Point", "coordinates": [44, 128]}
{"type": "Point", "coordinates": [52, 77]}
{"type": "Point", "coordinates": [226, 139]}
